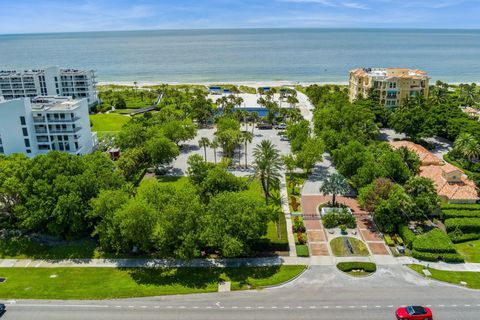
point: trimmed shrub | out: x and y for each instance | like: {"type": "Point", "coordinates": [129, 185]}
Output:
{"type": "Point", "coordinates": [449, 214]}
{"type": "Point", "coordinates": [435, 241]}
{"type": "Point", "coordinates": [466, 225]}
{"type": "Point", "coordinates": [458, 236]}
{"type": "Point", "coordinates": [426, 256]}
{"type": "Point", "coordinates": [349, 266]}
{"type": "Point", "coordinates": [407, 235]}
{"type": "Point", "coordinates": [454, 206]}
{"type": "Point", "coordinates": [388, 240]}
{"type": "Point", "coordinates": [452, 258]}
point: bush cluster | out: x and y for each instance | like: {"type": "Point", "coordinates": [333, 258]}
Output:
{"type": "Point", "coordinates": [435, 241]}
{"type": "Point", "coordinates": [388, 240]}
{"type": "Point", "coordinates": [349, 266]}
{"type": "Point", "coordinates": [407, 235]}
{"type": "Point", "coordinates": [449, 214]}
{"type": "Point", "coordinates": [337, 218]}
{"type": "Point", "coordinates": [466, 225]}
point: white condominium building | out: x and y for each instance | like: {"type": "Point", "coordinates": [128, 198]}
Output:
{"type": "Point", "coordinates": [51, 81]}
{"type": "Point", "coordinates": [44, 124]}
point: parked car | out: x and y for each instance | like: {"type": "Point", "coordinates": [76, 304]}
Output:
{"type": "Point", "coordinates": [264, 126]}
{"type": "Point", "coordinates": [414, 313]}
{"type": "Point", "coordinates": [280, 126]}
{"type": "Point", "coordinates": [3, 308]}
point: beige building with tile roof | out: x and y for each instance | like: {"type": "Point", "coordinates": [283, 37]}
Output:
{"type": "Point", "coordinates": [451, 183]}
{"type": "Point", "coordinates": [393, 84]}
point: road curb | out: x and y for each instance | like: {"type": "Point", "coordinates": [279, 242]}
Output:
{"type": "Point", "coordinates": [307, 267]}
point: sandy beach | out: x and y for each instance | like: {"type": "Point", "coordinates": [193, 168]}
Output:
{"type": "Point", "coordinates": [237, 83]}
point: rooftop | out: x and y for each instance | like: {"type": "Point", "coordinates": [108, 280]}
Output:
{"type": "Point", "coordinates": [390, 73]}
{"type": "Point", "coordinates": [55, 103]}
{"type": "Point", "coordinates": [460, 188]}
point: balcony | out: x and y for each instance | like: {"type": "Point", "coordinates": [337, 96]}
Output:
{"type": "Point", "coordinates": [69, 120]}
{"type": "Point", "coordinates": [38, 120]}
{"type": "Point", "coordinates": [63, 131]}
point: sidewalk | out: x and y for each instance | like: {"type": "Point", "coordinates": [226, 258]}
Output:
{"type": "Point", "coordinates": [221, 263]}
{"type": "Point", "coordinates": [286, 210]}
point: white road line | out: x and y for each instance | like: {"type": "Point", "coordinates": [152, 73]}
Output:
{"type": "Point", "coordinates": [208, 307]}
{"type": "Point", "coordinates": [169, 307]}
{"type": "Point", "coordinates": [338, 307]}
{"type": "Point", "coordinates": [131, 306]}
{"type": "Point", "coordinates": [325, 307]}
{"type": "Point", "coordinates": [234, 307]}
{"type": "Point", "coordinates": [274, 307]}
{"type": "Point", "coordinates": [195, 307]}
{"type": "Point", "coordinates": [260, 307]}
{"type": "Point", "coordinates": [466, 305]}
{"type": "Point", "coordinates": [156, 307]}
{"type": "Point", "coordinates": [312, 307]}
{"type": "Point", "coordinates": [390, 306]}
{"type": "Point", "coordinates": [248, 307]}
{"type": "Point", "coordinates": [62, 305]}
{"type": "Point", "coordinates": [118, 306]}
{"type": "Point", "coordinates": [286, 307]}
{"type": "Point", "coordinates": [299, 307]}
{"type": "Point", "coordinates": [378, 306]}
{"type": "Point", "coordinates": [351, 307]}
{"type": "Point", "coordinates": [143, 307]}
{"type": "Point", "coordinates": [182, 307]}
{"type": "Point", "coordinates": [364, 306]}
{"type": "Point", "coordinates": [441, 305]}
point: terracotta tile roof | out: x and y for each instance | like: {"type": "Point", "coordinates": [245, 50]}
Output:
{"type": "Point", "coordinates": [435, 169]}
{"type": "Point", "coordinates": [426, 158]}
{"type": "Point", "coordinates": [463, 190]}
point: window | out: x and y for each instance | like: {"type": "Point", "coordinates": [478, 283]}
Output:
{"type": "Point", "coordinates": [1, 150]}
{"type": "Point", "coordinates": [29, 151]}
{"type": "Point", "coordinates": [22, 120]}
{"type": "Point", "coordinates": [25, 132]}
{"type": "Point", "coordinates": [61, 146]}
{"type": "Point", "coordinates": [27, 143]}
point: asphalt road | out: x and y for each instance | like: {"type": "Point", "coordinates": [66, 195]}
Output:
{"type": "Point", "coordinates": [321, 293]}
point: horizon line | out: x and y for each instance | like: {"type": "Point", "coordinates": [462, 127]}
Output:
{"type": "Point", "coordinates": [246, 28]}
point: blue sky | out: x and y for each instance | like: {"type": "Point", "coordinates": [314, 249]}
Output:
{"type": "Point", "coordinates": [32, 16]}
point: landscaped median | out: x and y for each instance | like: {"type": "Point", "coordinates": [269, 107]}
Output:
{"type": "Point", "coordinates": [357, 269]}
{"type": "Point", "coordinates": [467, 278]}
{"type": "Point", "coordinates": [113, 283]}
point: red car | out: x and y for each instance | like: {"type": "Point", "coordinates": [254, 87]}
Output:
{"type": "Point", "coordinates": [414, 313]}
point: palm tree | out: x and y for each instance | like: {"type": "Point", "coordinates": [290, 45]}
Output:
{"type": "Point", "coordinates": [204, 143]}
{"type": "Point", "coordinates": [292, 101]}
{"type": "Point", "coordinates": [267, 164]}
{"type": "Point", "coordinates": [468, 146]}
{"type": "Point", "coordinates": [255, 118]}
{"type": "Point", "coordinates": [469, 94]}
{"type": "Point", "coordinates": [247, 138]}
{"type": "Point", "coordinates": [214, 145]}
{"type": "Point", "coordinates": [334, 184]}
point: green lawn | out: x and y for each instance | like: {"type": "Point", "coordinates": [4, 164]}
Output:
{"type": "Point", "coordinates": [340, 250]}
{"type": "Point", "coordinates": [112, 283]}
{"type": "Point", "coordinates": [110, 122]}
{"type": "Point", "coordinates": [23, 248]}
{"type": "Point", "coordinates": [302, 250]}
{"type": "Point", "coordinates": [469, 250]}
{"type": "Point", "coordinates": [471, 278]}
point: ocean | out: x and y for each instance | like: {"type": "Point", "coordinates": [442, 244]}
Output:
{"type": "Point", "coordinates": [298, 55]}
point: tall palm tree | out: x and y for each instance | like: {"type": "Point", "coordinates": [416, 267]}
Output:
{"type": "Point", "coordinates": [247, 138]}
{"type": "Point", "coordinates": [334, 184]}
{"type": "Point", "coordinates": [255, 118]}
{"type": "Point", "coordinates": [268, 165]}
{"type": "Point", "coordinates": [204, 143]}
{"type": "Point", "coordinates": [292, 101]}
{"type": "Point", "coordinates": [214, 145]}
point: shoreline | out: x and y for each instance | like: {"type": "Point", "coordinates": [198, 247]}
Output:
{"type": "Point", "coordinates": [254, 84]}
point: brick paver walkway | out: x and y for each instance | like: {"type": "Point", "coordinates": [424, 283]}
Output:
{"type": "Point", "coordinates": [318, 244]}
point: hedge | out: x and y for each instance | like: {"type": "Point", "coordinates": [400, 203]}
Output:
{"type": "Point", "coordinates": [426, 256]}
{"type": "Point", "coordinates": [449, 214]}
{"type": "Point", "coordinates": [388, 240]}
{"type": "Point", "coordinates": [435, 241]}
{"type": "Point", "coordinates": [349, 266]}
{"type": "Point", "coordinates": [458, 237]}
{"type": "Point", "coordinates": [407, 235]}
{"type": "Point", "coordinates": [466, 225]}
{"type": "Point", "coordinates": [454, 206]}
{"type": "Point", "coordinates": [429, 256]}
